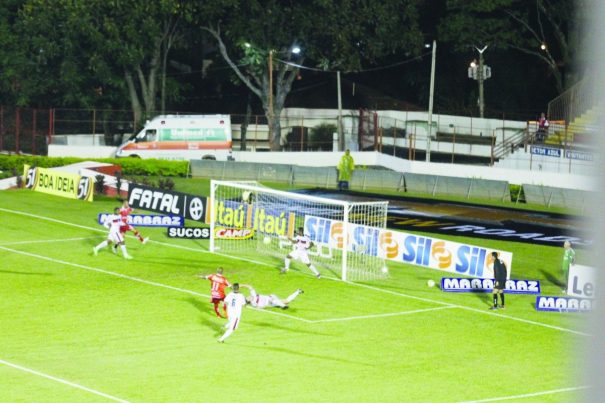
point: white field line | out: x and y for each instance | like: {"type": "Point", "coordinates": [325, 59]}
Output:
{"type": "Point", "coordinates": [434, 301]}
{"type": "Point", "coordinates": [527, 395]}
{"type": "Point", "coordinates": [63, 381]}
{"type": "Point", "coordinates": [46, 241]}
{"type": "Point", "coordinates": [131, 278]}
{"type": "Point", "coordinates": [468, 308]}
{"type": "Point", "coordinates": [381, 315]}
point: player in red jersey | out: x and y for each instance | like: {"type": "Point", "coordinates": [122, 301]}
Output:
{"type": "Point", "coordinates": [125, 211]}
{"type": "Point", "coordinates": [218, 285]}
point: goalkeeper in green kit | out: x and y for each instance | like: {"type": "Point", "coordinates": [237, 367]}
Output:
{"type": "Point", "coordinates": [569, 258]}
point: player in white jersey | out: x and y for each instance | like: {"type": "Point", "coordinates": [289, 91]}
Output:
{"type": "Point", "coordinates": [235, 302]}
{"type": "Point", "coordinates": [302, 244]}
{"type": "Point", "coordinates": [263, 301]}
{"type": "Point", "coordinates": [113, 222]}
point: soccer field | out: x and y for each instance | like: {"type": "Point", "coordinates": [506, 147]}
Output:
{"type": "Point", "coordinates": [80, 328]}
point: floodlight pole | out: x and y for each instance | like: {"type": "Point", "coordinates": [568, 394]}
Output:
{"type": "Point", "coordinates": [481, 78]}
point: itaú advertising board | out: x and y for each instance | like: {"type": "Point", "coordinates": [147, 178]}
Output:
{"type": "Point", "coordinates": [403, 247]}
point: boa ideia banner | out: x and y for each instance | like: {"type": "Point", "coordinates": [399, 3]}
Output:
{"type": "Point", "coordinates": [402, 247]}
{"type": "Point", "coordinates": [58, 183]}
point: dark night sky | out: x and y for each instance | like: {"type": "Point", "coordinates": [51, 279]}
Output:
{"type": "Point", "coordinates": [520, 87]}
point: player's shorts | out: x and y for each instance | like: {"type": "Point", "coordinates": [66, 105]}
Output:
{"type": "Point", "coordinates": [126, 227]}
{"type": "Point", "coordinates": [499, 284]}
{"type": "Point", "coordinates": [115, 237]}
{"type": "Point", "coordinates": [300, 254]}
{"type": "Point", "coordinates": [217, 300]}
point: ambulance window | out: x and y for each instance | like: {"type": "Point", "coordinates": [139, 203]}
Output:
{"type": "Point", "coordinates": [150, 135]}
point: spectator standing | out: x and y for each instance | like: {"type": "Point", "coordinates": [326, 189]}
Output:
{"type": "Point", "coordinates": [543, 125]}
{"type": "Point", "coordinates": [345, 168]}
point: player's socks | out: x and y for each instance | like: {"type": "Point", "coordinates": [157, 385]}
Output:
{"type": "Point", "coordinates": [287, 264]}
{"type": "Point", "coordinates": [314, 270]}
{"type": "Point", "coordinates": [101, 245]}
{"type": "Point", "coordinates": [293, 295]}
{"type": "Point", "coordinates": [94, 250]}
{"type": "Point", "coordinates": [495, 296]}
{"type": "Point", "coordinates": [216, 310]}
{"type": "Point", "coordinates": [114, 249]}
{"type": "Point", "coordinates": [125, 252]}
{"type": "Point", "coordinates": [227, 334]}
{"type": "Point", "coordinates": [502, 299]}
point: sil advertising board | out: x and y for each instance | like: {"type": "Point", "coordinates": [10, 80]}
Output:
{"type": "Point", "coordinates": [58, 183]}
{"type": "Point", "coordinates": [433, 253]}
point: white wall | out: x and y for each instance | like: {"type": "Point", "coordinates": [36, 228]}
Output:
{"type": "Point", "coordinates": [317, 159]}
{"type": "Point", "coordinates": [81, 151]}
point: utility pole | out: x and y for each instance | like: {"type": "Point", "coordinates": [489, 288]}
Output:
{"type": "Point", "coordinates": [271, 84]}
{"type": "Point", "coordinates": [430, 117]}
{"type": "Point", "coordinates": [341, 139]}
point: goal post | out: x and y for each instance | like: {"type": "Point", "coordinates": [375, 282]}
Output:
{"type": "Point", "coordinates": [249, 220]}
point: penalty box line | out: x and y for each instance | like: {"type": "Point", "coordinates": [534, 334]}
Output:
{"type": "Point", "coordinates": [526, 395]}
{"type": "Point", "coordinates": [136, 279]}
{"type": "Point", "coordinates": [63, 381]}
{"type": "Point", "coordinates": [382, 315]}
{"type": "Point", "coordinates": [198, 294]}
{"type": "Point", "coordinates": [434, 301]}
{"type": "Point", "coordinates": [46, 241]}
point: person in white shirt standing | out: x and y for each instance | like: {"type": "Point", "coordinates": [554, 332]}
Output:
{"type": "Point", "coordinates": [302, 244]}
{"type": "Point", "coordinates": [235, 302]}
{"type": "Point", "coordinates": [113, 222]}
{"type": "Point", "coordinates": [263, 301]}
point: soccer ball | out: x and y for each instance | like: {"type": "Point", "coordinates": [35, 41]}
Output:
{"type": "Point", "coordinates": [267, 240]}
{"type": "Point", "coordinates": [430, 283]}
{"type": "Point", "coordinates": [385, 269]}
{"type": "Point", "coordinates": [246, 196]}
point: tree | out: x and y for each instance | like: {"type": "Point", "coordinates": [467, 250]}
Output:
{"type": "Point", "coordinates": [99, 51]}
{"type": "Point", "coordinates": [545, 29]}
{"type": "Point", "coordinates": [257, 38]}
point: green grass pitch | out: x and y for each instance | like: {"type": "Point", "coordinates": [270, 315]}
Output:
{"type": "Point", "coordinates": [79, 328]}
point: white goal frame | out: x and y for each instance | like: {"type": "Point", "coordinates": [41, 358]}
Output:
{"type": "Point", "coordinates": [254, 188]}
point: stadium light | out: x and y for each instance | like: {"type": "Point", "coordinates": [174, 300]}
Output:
{"type": "Point", "coordinates": [543, 46]}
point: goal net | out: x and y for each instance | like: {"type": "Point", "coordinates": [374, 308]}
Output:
{"type": "Point", "coordinates": [248, 220]}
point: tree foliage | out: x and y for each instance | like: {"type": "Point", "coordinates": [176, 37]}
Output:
{"type": "Point", "coordinates": [544, 29]}
{"type": "Point", "coordinates": [332, 35]}
{"type": "Point", "coordinates": [92, 53]}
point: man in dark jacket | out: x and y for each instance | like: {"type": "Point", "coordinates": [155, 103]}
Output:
{"type": "Point", "coordinates": [499, 280]}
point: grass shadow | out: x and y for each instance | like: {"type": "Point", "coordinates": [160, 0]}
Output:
{"type": "Point", "coordinates": [26, 273]}
{"type": "Point", "coordinates": [207, 315]}
{"type": "Point", "coordinates": [552, 279]}
{"type": "Point", "coordinates": [322, 357]}
{"type": "Point", "coordinates": [276, 326]}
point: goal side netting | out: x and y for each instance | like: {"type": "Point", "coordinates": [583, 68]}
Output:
{"type": "Point", "coordinates": [250, 221]}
